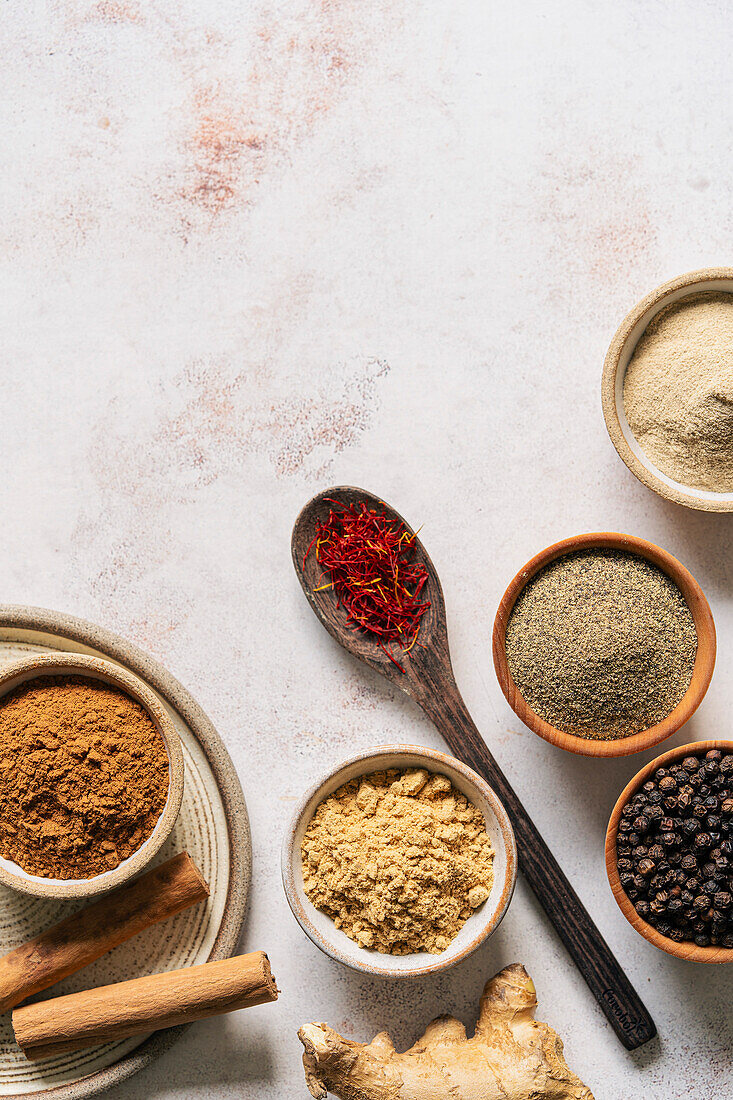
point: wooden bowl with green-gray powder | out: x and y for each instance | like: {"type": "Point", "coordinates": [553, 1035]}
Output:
{"type": "Point", "coordinates": [604, 644]}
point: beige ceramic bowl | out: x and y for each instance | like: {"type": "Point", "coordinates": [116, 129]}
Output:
{"type": "Point", "coordinates": [92, 667]}
{"type": "Point", "coordinates": [479, 925]}
{"type": "Point", "coordinates": [614, 371]}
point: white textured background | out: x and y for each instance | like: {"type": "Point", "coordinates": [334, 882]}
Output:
{"type": "Point", "coordinates": [250, 250]}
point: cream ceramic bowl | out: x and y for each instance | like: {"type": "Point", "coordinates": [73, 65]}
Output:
{"type": "Point", "coordinates": [321, 929]}
{"type": "Point", "coordinates": [73, 664]}
{"type": "Point", "coordinates": [619, 355]}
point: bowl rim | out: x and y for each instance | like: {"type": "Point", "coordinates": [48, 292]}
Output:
{"type": "Point", "coordinates": [685, 950]}
{"type": "Point", "coordinates": [438, 760]}
{"type": "Point", "coordinates": [704, 660]}
{"type": "Point", "coordinates": [672, 491]}
{"type": "Point", "coordinates": [37, 665]}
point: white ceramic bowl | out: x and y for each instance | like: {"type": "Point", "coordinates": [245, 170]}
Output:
{"type": "Point", "coordinates": [77, 664]}
{"type": "Point", "coordinates": [479, 925]}
{"type": "Point", "coordinates": [619, 355]}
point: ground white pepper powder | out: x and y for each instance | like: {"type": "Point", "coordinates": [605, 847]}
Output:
{"type": "Point", "coordinates": [678, 391]}
{"type": "Point", "coordinates": [398, 860]}
{"type": "Point", "coordinates": [601, 644]}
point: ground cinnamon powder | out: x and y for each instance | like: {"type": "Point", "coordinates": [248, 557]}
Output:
{"type": "Point", "coordinates": [83, 776]}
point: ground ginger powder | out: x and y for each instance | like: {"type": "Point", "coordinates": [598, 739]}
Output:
{"type": "Point", "coordinates": [83, 776]}
{"type": "Point", "coordinates": [398, 860]}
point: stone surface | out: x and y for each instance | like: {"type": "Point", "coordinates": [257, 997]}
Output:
{"type": "Point", "coordinates": [249, 250]}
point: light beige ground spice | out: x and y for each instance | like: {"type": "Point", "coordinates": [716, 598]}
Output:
{"type": "Point", "coordinates": [398, 860]}
{"type": "Point", "coordinates": [678, 391]}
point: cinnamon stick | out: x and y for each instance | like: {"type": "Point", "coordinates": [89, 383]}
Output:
{"type": "Point", "coordinates": [112, 1012]}
{"type": "Point", "coordinates": [96, 929]}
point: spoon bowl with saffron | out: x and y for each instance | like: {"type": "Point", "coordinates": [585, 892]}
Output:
{"type": "Point", "coordinates": [367, 628]}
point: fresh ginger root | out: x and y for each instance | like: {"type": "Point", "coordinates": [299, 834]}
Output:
{"type": "Point", "coordinates": [510, 1057]}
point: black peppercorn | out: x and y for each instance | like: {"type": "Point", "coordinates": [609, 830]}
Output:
{"type": "Point", "coordinates": [675, 849]}
{"type": "Point", "coordinates": [683, 800]}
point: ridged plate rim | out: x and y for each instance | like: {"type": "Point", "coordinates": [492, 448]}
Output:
{"type": "Point", "coordinates": [82, 632]}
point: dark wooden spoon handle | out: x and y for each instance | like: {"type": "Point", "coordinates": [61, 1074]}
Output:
{"type": "Point", "coordinates": [593, 957]}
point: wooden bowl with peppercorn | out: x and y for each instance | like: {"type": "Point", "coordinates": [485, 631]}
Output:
{"type": "Point", "coordinates": [91, 776]}
{"type": "Point", "coordinates": [604, 644]}
{"type": "Point", "coordinates": [669, 852]}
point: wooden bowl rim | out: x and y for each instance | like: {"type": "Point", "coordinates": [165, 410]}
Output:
{"type": "Point", "coordinates": [704, 660]}
{"type": "Point", "coordinates": [96, 667]}
{"type": "Point", "coordinates": [608, 390]}
{"type": "Point", "coordinates": [685, 950]}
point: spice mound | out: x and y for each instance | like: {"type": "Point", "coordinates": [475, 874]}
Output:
{"type": "Point", "coordinates": [83, 776]}
{"type": "Point", "coordinates": [601, 644]}
{"type": "Point", "coordinates": [675, 850]}
{"type": "Point", "coordinates": [398, 860]}
{"type": "Point", "coordinates": [678, 391]}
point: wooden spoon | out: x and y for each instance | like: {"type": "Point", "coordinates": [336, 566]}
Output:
{"type": "Point", "coordinates": [428, 678]}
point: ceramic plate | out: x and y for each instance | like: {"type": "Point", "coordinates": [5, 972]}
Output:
{"type": "Point", "coordinates": [212, 826]}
